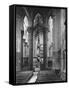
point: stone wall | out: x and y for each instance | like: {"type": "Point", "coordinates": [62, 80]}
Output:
{"type": "Point", "coordinates": [58, 30]}
{"type": "Point", "coordinates": [19, 22]}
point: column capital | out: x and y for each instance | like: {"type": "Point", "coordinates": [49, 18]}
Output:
{"type": "Point", "coordinates": [25, 43]}
{"type": "Point", "coordinates": [30, 29]}
{"type": "Point", "coordinates": [22, 31]}
{"type": "Point", "coordinates": [45, 29]}
{"type": "Point", "coordinates": [23, 40]}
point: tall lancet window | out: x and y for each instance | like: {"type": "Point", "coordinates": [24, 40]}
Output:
{"type": "Point", "coordinates": [51, 28]}
{"type": "Point", "coordinates": [25, 37]}
{"type": "Point", "coordinates": [50, 36]}
{"type": "Point", "coordinates": [25, 25]}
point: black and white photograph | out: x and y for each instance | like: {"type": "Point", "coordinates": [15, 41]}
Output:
{"type": "Point", "coordinates": [40, 44]}
{"type": "Point", "coordinates": [34, 45]}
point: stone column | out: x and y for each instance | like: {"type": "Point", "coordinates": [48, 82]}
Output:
{"type": "Point", "coordinates": [30, 31]}
{"type": "Point", "coordinates": [22, 32]}
{"type": "Point", "coordinates": [45, 47]}
{"type": "Point", "coordinates": [25, 49]}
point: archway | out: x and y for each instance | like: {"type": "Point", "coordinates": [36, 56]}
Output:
{"type": "Point", "coordinates": [39, 43]}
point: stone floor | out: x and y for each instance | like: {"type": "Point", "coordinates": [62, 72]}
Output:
{"type": "Point", "coordinates": [36, 77]}
{"type": "Point", "coordinates": [47, 76]}
{"type": "Point", "coordinates": [33, 78]}
{"type": "Point", "coordinates": [23, 77]}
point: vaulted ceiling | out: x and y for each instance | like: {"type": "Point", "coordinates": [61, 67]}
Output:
{"type": "Point", "coordinates": [32, 11]}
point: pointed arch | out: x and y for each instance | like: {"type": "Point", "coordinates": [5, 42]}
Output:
{"type": "Point", "coordinates": [38, 19]}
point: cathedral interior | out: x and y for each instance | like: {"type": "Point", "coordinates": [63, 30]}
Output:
{"type": "Point", "coordinates": [40, 44]}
